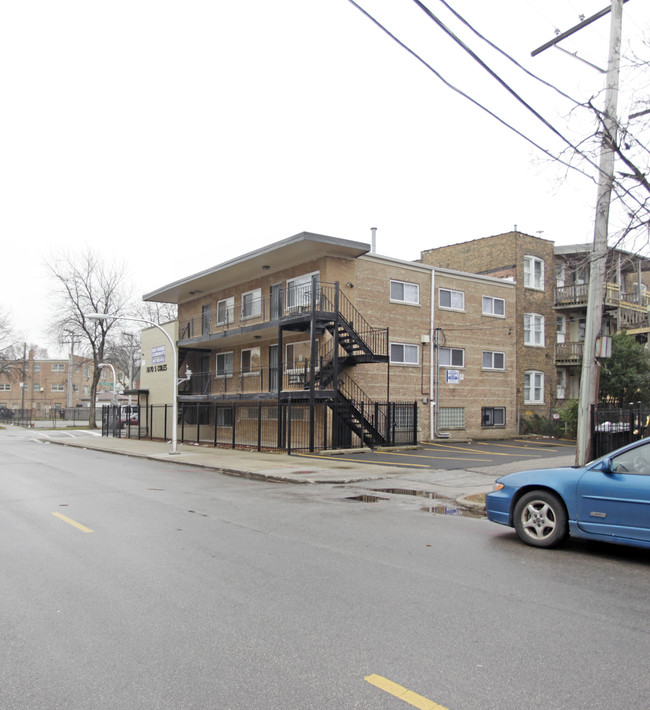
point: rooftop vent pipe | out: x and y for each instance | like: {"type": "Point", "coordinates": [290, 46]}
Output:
{"type": "Point", "coordinates": [373, 240]}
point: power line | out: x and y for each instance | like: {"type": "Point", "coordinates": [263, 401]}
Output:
{"type": "Point", "coordinates": [467, 96]}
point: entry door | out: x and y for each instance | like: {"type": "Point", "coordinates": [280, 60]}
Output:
{"type": "Point", "coordinates": [276, 302]}
{"type": "Point", "coordinates": [274, 372]}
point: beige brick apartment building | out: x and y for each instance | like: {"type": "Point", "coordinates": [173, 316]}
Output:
{"type": "Point", "coordinates": [318, 319]}
{"type": "Point", "coordinates": [48, 384]}
{"type": "Point", "coordinates": [529, 262]}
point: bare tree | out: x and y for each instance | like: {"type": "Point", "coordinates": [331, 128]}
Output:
{"type": "Point", "coordinates": [10, 354]}
{"type": "Point", "coordinates": [85, 284]}
{"type": "Point", "coordinates": [157, 312]}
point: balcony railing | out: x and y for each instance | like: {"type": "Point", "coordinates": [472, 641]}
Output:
{"type": "Point", "coordinates": [285, 303]}
{"type": "Point", "coordinates": [242, 382]}
{"type": "Point", "coordinates": [578, 294]}
{"type": "Point", "coordinates": [568, 353]}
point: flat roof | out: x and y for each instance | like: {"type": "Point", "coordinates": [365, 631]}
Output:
{"type": "Point", "coordinates": [276, 256]}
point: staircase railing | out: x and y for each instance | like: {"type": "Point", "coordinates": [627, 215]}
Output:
{"type": "Point", "coordinates": [374, 339]}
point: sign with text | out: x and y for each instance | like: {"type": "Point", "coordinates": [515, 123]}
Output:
{"type": "Point", "coordinates": [158, 355]}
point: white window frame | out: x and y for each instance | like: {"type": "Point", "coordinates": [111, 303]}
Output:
{"type": "Point", "coordinates": [492, 354]}
{"type": "Point", "coordinates": [561, 328]}
{"type": "Point", "coordinates": [228, 315]}
{"type": "Point", "coordinates": [448, 355]}
{"type": "Point", "coordinates": [58, 367]}
{"type": "Point", "coordinates": [562, 379]}
{"type": "Point", "coordinates": [533, 387]}
{"type": "Point", "coordinates": [453, 295]}
{"type": "Point", "coordinates": [407, 348]}
{"type": "Point", "coordinates": [298, 296]}
{"type": "Point", "coordinates": [57, 387]}
{"type": "Point", "coordinates": [255, 302]}
{"type": "Point", "coordinates": [5, 386]}
{"type": "Point", "coordinates": [534, 330]}
{"type": "Point", "coordinates": [225, 372]}
{"type": "Point", "coordinates": [488, 305]}
{"type": "Point", "coordinates": [534, 272]}
{"type": "Point", "coordinates": [410, 292]}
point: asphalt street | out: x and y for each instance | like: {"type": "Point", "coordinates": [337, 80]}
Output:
{"type": "Point", "coordinates": [136, 583]}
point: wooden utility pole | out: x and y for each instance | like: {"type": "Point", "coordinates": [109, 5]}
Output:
{"type": "Point", "coordinates": [598, 259]}
{"type": "Point", "coordinates": [597, 271]}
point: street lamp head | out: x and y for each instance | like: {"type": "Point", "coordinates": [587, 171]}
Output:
{"type": "Point", "coordinates": [97, 316]}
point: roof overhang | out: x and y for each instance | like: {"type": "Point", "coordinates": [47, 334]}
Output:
{"type": "Point", "coordinates": [299, 249]}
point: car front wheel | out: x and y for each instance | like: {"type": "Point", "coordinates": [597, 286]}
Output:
{"type": "Point", "coordinates": [540, 519]}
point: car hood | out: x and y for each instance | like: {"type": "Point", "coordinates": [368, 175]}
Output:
{"type": "Point", "coordinates": [542, 475]}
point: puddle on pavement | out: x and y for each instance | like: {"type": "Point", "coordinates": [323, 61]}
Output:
{"type": "Point", "coordinates": [438, 506]}
{"type": "Point", "coordinates": [365, 499]}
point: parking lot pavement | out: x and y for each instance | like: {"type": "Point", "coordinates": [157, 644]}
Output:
{"type": "Point", "coordinates": [475, 455]}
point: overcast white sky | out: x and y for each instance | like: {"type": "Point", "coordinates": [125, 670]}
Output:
{"type": "Point", "coordinates": [177, 135]}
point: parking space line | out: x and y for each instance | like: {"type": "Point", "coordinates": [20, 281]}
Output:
{"type": "Point", "coordinates": [342, 458]}
{"type": "Point", "coordinates": [471, 451]}
{"type": "Point", "coordinates": [399, 691]}
{"type": "Point", "coordinates": [72, 522]}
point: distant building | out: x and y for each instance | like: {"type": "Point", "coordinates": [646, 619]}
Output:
{"type": "Point", "coordinates": [43, 385]}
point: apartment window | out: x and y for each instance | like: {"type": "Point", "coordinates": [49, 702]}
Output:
{"type": "Point", "coordinates": [533, 272]}
{"type": "Point", "coordinates": [5, 387]}
{"type": "Point", "coordinates": [560, 274]}
{"type": "Point", "coordinates": [533, 329]}
{"type": "Point", "coordinates": [224, 364]}
{"type": "Point", "coordinates": [582, 329]}
{"type": "Point", "coordinates": [404, 354]}
{"type": "Point", "coordinates": [58, 367]}
{"type": "Point", "coordinates": [451, 418]}
{"type": "Point", "coordinates": [581, 275]}
{"type": "Point", "coordinates": [250, 361]}
{"type": "Point", "coordinates": [37, 367]}
{"type": "Point", "coordinates": [226, 311]}
{"type": "Point", "coordinates": [493, 416]}
{"type": "Point", "coordinates": [36, 387]}
{"type": "Point", "coordinates": [493, 306]}
{"type": "Point", "coordinates": [451, 357]}
{"type": "Point", "coordinates": [299, 292]}
{"type": "Point", "coordinates": [494, 360]}
{"type": "Point", "coordinates": [224, 416]}
{"type": "Point", "coordinates": [58, 387]}
{"type": "Point", "coordinates": [561, 384]}
{"type": "Point", "coordinates": [251, 303]}
{"type": "Point", "coordinates": [534, 387]}
{"type": "Point", "coordinates": [447, 298]}
{"type": "Point", "coordinates": [86, 390]}
{"type": "Point", "coordinates": [561, 329]}
{"type": "Point", "coordinates": [404, 292]}
{"type": "Point", "coordinates": [296, 355]}
{"type": "Point", "coordinates": [86, 372]}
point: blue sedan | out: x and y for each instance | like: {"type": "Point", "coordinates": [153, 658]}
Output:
{"type": "Point", "coordinates": [608, 500]}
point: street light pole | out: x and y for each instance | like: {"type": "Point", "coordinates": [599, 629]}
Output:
{"type": "Point", "coordinates": [106, 316]}
{"type": "Point", "coordinates": [108, 364]}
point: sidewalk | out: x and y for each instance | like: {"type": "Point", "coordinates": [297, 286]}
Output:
{"type": "Point", "coordinates": [302, 468]}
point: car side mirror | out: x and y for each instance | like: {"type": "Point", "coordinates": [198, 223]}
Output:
{"type": "Point", "coordinates": [607, 466]}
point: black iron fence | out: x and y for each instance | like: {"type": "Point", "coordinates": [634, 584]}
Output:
{"type": "Point", "coordinates": [262, 425]}
{"type": "Point", "coordinates": [612, 428]}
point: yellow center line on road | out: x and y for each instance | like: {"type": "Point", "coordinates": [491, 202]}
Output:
{"type": "Point", "coordinates": [399, 691]}
{"type": "Point", "coordinates": [72, 522]}
{"type": "Point", "coordinates": [433, 458]}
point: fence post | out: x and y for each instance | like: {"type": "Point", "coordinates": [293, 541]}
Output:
{"type": "Point", "coordinates": [198, 422]}
{"type": "Point", "coordinates": [259, 425]}
{"type": "Point", "coordinates": [234, 414]}
{"type": "Point", "coordinates": [165, 427]}
{"type": "Point", "coordinates": [289, 428]}
{"type": "Point", "coordinates": [415, 422]}
{"type": "Point", "coordinates": [214, 418]}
